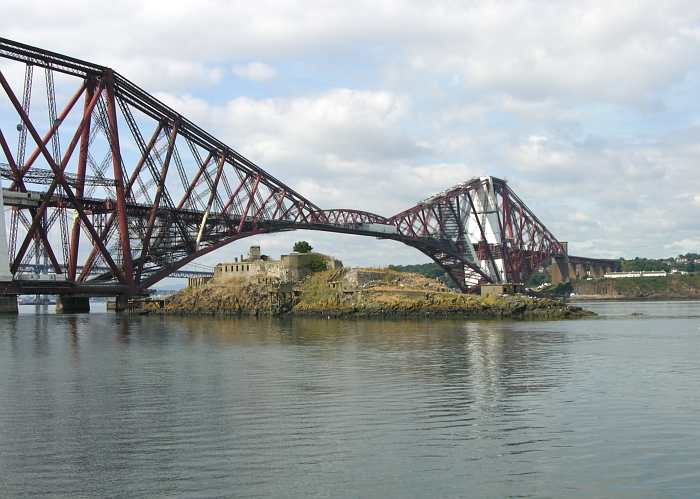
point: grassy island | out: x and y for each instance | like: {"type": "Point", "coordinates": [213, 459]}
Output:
{"type": "Point", "coordinates": [361, 293]}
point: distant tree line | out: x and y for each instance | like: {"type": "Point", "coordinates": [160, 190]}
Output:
{"type": "Point", "coordinates": [644, 264]}
{"type": "Point", "coordinates": [688, 263]}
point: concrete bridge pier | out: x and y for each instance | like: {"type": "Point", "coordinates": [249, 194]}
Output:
{"type": "Point", "coordinates": [69, 304]}
{"type": "Point", "coordinates": [120, 303]}
{"type": "Point", "coordinates": [8, 304]}
{"type": "Point", "coordinates": [560, 268]}
{"type": "Point", "coordinates": [598, 271]}
{"type": "Point", "coordinates": [566, 268]}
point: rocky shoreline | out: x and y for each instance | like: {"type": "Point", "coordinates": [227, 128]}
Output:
{"type": "Point", "coordinates": [391, 295]}
{"type": "Point", "coordinates": [512, 307]}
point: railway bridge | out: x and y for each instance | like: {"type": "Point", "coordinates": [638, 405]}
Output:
{"type": "Point", "coordinates": [114, 191]}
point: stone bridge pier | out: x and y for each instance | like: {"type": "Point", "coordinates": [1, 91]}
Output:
{"type": "Point", "coordinates": [565, 268]}
{"type": "Point", "coordinates": [559, 269]}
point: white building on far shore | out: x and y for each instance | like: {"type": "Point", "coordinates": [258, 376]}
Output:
{"type": "Point", "coordinates": [640, 273]}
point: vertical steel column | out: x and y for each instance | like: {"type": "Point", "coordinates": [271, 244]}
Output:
{"type": "Point", "coordinates": [80, 186]}
{"type": "Point", "coordinates": [58, 179]}
{"type": "Point", "coordinates": [251, 199]}
{"type": "Point", "coordinates": [212, 196]}
{"type": "Point", "coordinates": [156, 201]}
{"type": "Point", "coordinates": [505, 253]}
{"type": "Point", "coordinates": [492, 261]}
{"type": "Point", "coordinates": [127, 263]}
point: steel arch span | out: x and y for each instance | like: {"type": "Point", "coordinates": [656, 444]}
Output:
{"type": "Point", "coordinates": [101, 175]}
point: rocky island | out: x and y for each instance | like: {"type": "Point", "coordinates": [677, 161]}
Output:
{"type": "Point", "coordinates": [322, 287]}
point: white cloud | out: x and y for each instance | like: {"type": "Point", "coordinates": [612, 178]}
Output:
{"type": "Point", "coordinates": [352, 124]}
{"type": "Point", "coordinates": [586, 107]}
{"type": "Point", "coordinates": [587, 49]}
{"type": "Point", "coordinates": [685, 245]}
{"type": "Point", "coordinates": [168, 73]}
{"type": "Point", "coordinates": [537, 154]}
{"type": "Point", "coordinates": [621, 52]}
{"type": "Point", "coordinates": [340, 148]}
{"type": "Point", "coordinates": [258, 71]}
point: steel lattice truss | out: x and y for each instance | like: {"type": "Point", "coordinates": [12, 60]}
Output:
{"type": "Point", "coordinates": [486, 233]}
{"type": "Point", "coordinates": [149, 191]}
{"type": "Point", "coordinates": [345, 217]}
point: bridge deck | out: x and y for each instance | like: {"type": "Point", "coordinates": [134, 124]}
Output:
{"type": "Point", "coordinates": [60, 287]}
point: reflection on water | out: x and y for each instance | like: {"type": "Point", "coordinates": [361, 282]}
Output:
{"type": "Point", "coordinates": [112, 405]}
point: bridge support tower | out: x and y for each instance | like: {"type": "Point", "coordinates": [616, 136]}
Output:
{"type": "Point", "coordinates": [559, 268]}
{"type": "Point", "coordinates": [8, 304]}
{"type": "Point", "coordinates": [565, 268]}
{"type": "Point", "coordinates": [120, 304]}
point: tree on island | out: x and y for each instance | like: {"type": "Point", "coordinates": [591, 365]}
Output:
{"type": "Point", "coordinates": [302, 247]}
{"type": "Point", "coordinates": [316, 263]}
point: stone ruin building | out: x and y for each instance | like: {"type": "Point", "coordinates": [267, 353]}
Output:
{"type": "Point", "coordinates": [261, 268]}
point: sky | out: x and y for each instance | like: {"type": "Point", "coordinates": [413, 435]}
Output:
{"type": "Point", "coordinates": [589, 109]}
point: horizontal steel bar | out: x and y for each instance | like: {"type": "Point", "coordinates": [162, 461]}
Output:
{"type": "Point", "coordinates": [44, 176]}
{"type": "Point", "coordinates": [96, 270]}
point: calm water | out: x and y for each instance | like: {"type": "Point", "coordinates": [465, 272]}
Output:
{"type": "Point", "coordinates": [103, 405]}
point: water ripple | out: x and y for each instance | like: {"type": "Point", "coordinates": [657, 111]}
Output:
{"type": "Point", "coordinates": [111, 406]}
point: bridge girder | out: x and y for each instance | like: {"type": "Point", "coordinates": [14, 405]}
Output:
{"type": "Point", "coordinates": [151, 191]}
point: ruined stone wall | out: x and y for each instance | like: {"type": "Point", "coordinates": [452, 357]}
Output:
{"type": "Point", "coordinates": [296, 265]}
{"type": "Point", "coordinates": [247, 270]}
{"type": "Point", "coordinates": [360, 277]}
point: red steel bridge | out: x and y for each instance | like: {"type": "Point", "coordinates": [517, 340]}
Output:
{"type": "Point", "coordinates": [113, 190]}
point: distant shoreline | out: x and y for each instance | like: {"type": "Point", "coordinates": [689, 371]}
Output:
{"type": "Point", "coordinates": [578, 298]}
{"type": "Point", "coordinates": [682, 287]}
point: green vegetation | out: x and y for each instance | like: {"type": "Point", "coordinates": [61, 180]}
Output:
{"type": "Point", "coordinates": [643, 264]}
{"type": "Point", "coordinates": [431, 270]}
{"type": "Point", "coordinates": [674, 286]}
{"type": "Point", "coordinates": [536, 279]}
{"type": "Point", "coordinates": [302, 247]}
{"type": "Point", "coordinates": [316, 263]}
{"type": "Point", "coordinates": [690, 262]}
{"type": "Point", "coordinates": [561, 289]}
{"type": "Point", "coordinates": [411, 295]}
{"type": "Point", "coordinates": [389, 294]}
